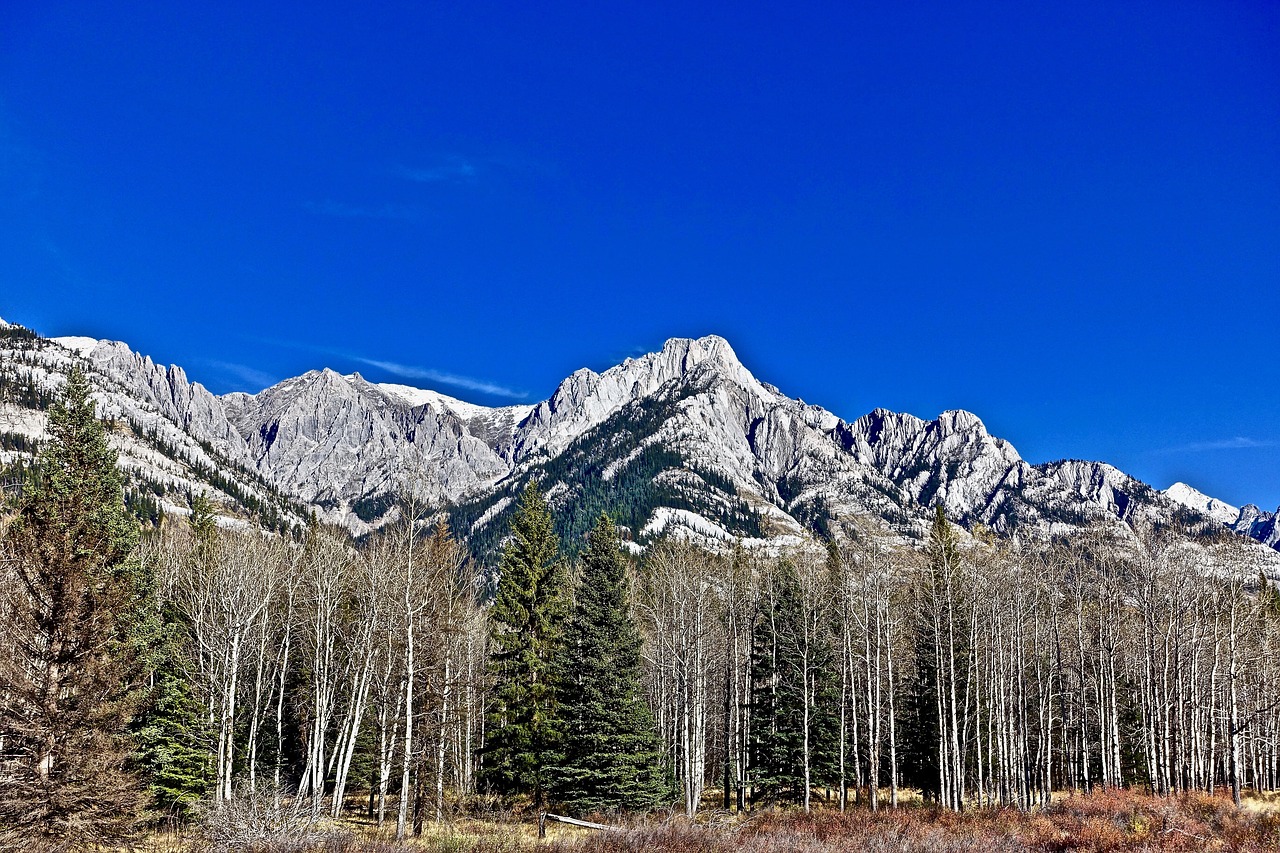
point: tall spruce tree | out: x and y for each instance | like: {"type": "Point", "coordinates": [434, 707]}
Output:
{"type": "Point", "coordinates": [526, 625]}
{"type": "Point", "coordinates": [75, 623]}
{"type": "Point", "coordinates": [611, 758]}
{"type": "Point", "coordinates": [172, 733]}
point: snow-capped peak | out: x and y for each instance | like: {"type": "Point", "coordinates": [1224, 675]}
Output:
{"type": "Point", "coordinates": [78, 344]}
{"type": "Point", "coordinates": [441, 402]}
{"type": "Point", "coordinates": [1212, 507]}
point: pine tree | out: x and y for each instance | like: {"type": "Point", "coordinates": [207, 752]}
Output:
{"type": "Point", "coordinates": [74, 624]}
{"type": "Point", "coordinates": [173, 743]}
{"type": "Point", "coordinates": [526, 626]}
{"type": "Point", "coordinates": [611, 758]}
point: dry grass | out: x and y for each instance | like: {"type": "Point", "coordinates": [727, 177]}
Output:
{"type": "Point", "coordinates": [1100, 822]}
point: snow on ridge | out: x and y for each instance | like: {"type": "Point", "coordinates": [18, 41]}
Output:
{"type": "Point", "coordinates": [1193, 498]}
{"type": "Point", "coordinates": [687, 525]}
{"type": "Point", "coordinates": [443, 402]}
{"type": "Point", "coordinates": [426, 397]}
{"type": "Point", "coordinates": [663, 517]}
{"type": "Point", "coordinates": [78, 344]}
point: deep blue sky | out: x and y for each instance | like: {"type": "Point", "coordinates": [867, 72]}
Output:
{"type": "Point", "coordinates": [1065, 220]}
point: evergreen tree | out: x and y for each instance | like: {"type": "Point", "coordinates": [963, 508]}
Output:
{"type": "Point", "coordinates": [918, 712]}
{"type": "Point", "coordinates": [788, 665]}
{"type": "Point", "coordinates": [171, 730]}
{"type": "Point", "coordinates": [526, 626]}
{"type": "Point", "coordinates": [173, 744]}
{"type": "Point", "coordinates": [611, 758]}
{"type": "Point", "coordinates": [74, 624]}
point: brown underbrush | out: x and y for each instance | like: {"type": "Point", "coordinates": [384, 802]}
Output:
{"type": "Point", "coordinates": [1110, 821]}
{"type": "Point", "coordinates": [1098, 822]}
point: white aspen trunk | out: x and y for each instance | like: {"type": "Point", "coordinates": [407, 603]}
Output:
{"type": "Point", "coordinates": [446, 695]}
{"type": "Point", "coordinates": [226, 735]}
{"type": "Point", "coordinates": [892, 711]}
{"type": "Point", "coordinates": [387, 754]}
{"type": "Point", "coordinates": [410, 676]}
{"type": "Point", "coordinates": [345, 749]}
{"type": "Point", "coordinates": [1234, 706]}
{"type": "Point", "coordinates": [872, 678]}
{"type": "Point", "coordinates": [255, 720]}
{"type": "Point", "coordinates": [1212, 715]}
{"type": "Point", "coordinates": [280, 688]}
{"type": "Point", "coordinates": [808, 717]}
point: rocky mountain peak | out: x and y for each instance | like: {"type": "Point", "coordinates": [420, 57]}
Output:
{"type": "Point", "coordinates": [1193, 498]}
{"type": "Point", "coordinates": [687, 427]}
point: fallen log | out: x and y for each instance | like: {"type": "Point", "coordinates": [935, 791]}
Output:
{"type": "Point", "coordinates": [586, 824]}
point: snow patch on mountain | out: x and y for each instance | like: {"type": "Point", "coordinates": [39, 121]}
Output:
{"type": "Point", "coordinates": [1193, 499]}
{"type": "Point", "coordinates": [78, 344]}
{"type": "Point", "coordinates": [416, 397]}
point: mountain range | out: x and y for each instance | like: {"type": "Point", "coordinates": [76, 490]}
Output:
{"type": "Point", "coordinates": [684, 441]}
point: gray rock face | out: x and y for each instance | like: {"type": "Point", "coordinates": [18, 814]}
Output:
{"type": "Point", "coordinates": [187, 405]}
{"type": "Point", "coordinates": [1259, 525]}
{"type": "Point", "coordinates": [331, 439]}
{"type": "Point", "coordinates": [585, 399]}
{"type": "Point", "coordinates": [339, 443]}
{"type": "Point", "coordinates": [172, 435]}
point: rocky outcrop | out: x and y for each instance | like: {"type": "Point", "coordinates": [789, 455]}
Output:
{"type": "Point", "coordinates": [343, 445]}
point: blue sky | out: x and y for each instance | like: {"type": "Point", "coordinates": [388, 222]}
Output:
{"type": "Point", "coordinates": [1063, 217]}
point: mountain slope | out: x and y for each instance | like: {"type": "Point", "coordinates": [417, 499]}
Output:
{"type": "Point", "coordinates": [173, 436]}
{"type": "Point", "coordinates": [683, 441]}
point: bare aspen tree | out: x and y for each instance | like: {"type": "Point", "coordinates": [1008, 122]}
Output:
{"type": "Point", "coordinates": [736, 605]}
{"type": "Point", "coordinates": [406, 553]}
{"type": "Point", "coordinates": [368, 597]}
{"type": "Point", "coordinates": [223, 590]}
{"type": "Point", "coordinates": [326, 573]}
{"type": "Point", "coordinates": [676, 600]}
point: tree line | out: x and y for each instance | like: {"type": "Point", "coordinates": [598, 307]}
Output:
{"type": "Point", "coordinates": [151, 674]}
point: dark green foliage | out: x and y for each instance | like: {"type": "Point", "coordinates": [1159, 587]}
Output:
{"type": "Point", "coordinates": [629, 494]}
{"type": "Point", "coordinates": [16, 441]}
{"type": "Point", "coordinates": [917, 717]}
{"type": "Point", "coordinates": [18, 337]}
{"type": "Point", "coordinates": [611, 757]}
{"type": "Point", "coordinates": [78, 622]}
{"type": "Point", "coordinates": [24, 392]}
{"type": "Point", "coordinates": [203, 522]}
{"type": "Point", "coordinates": [918, 724]}
{"type": "Point", "coordinates": [173, 742]}
{"type": "Point", "coordinates": [787, 661]}
{"type": "Point", "coordinates": [526, 626]}
{"type": "Point", "coordinates": [372, 507]}
{"type": "Point", "coordinates": [1268, 596]}
{"type": "Point", "coordinates": [144, 507]}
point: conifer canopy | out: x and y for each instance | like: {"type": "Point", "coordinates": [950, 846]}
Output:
{"type": "Point", "coordinates": [611, 757]}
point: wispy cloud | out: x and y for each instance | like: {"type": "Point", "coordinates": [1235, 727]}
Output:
{"type": "Point", "coordinates": [250, 376]}
{"type": "Point", "coordinates": [1237, 443]}
{"type": "Point", "coordinates": [450, 170]}
{"type": "Point", "coordinates": [330, 207]}
{"type": "Point", "coordinates": [405, 371]}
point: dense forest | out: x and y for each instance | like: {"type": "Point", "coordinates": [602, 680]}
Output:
{"type": "Point", "coordinates": [187, 672]}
